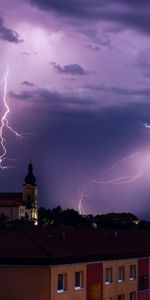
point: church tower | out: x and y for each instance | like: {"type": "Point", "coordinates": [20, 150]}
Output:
{"type": "Point", "coordinates": [30, 195]}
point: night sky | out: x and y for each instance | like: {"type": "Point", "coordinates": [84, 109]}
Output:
{"type": "Point", "coordinates": [79, 87]}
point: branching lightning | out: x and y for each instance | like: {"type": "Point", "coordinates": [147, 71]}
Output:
{"type": "Point", "coordinates": [5, 124]}
{"type": "Point", "coordinates": [89, 187]}
{"type": "Point", "coordinates": [87, 190]}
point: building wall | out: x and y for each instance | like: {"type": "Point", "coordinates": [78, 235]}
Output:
{"type": "Point", "coordinates": [94, 281]}
{"type": "Point", "coordinates": [25, 283]}
{"type": "Point", "coordinates": [143, 272]}
{"type": "Point", "coordinates": [70, 293]}
{"type": "Point", "coordinates": [112, 290]}
{"type": "Point", "coordinates": [12, 212]}
{"type": "Point", "coordinates": [40, 283]}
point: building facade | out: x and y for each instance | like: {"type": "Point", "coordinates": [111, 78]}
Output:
{"type": "Point", "coordinates": [41, 265]}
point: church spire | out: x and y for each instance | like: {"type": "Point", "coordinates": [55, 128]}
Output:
{"type": "Point", "coordinates": [30, 178]}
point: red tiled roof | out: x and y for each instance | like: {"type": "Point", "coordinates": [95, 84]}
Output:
{"type": "Point", "coordinates": [65, 245]}
{"type": "Point", "coordinates": [11, 199]}
{"type": "Point", "coordinates": [17, 244]}
{"type": "Point", "coordinates": [10, 203]}
{"type": "Point", "coordinates": [12, 196]}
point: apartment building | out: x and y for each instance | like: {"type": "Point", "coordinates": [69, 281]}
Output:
{"type": "Point", "coordinates": [77, 264]}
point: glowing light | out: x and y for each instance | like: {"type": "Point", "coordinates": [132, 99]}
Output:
{"type": "Point", "coordinates": [5, 124]}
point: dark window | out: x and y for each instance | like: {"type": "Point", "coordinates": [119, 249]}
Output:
{"type": "Point", "coordinates": [28, 197]}
{"type": "Point", "coordinates": [77, 279]}
{"type": "Point", "coordinates": [120, 274]}
{"type": "Point", "coordinates": [108, 278]}
{"type": "Point", "coordinates": [60, 282]}
{"type": "Point", "coordinates": [133, 296]}
{"type": "Point", "coordinates": [132, 272]}
{"type": "Point", "coordinates": [121, 297]}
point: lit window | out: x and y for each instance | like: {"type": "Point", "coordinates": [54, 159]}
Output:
{"type": "Point", "coordinates": [61, 283]}
{"type": "Point", "coordinates": [121, 297]}
{"type": "Point", "coordinates": [133, 296]}
{"type": "Point", "coordinates": [78, 280]}
{"type": "Point", "coordinates": [108, 276]}
{"type": "Point", "coordinates": [120, 274]}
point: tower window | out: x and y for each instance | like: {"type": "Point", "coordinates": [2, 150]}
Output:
{"type": "Point", "coordinates": [28, 197]}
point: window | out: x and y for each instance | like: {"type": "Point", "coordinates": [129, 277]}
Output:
{"type": "Point", "coordinates": [61, 283]}
{"type": "Point", "coordinates": [120, 274]}
{"type": "Point", "coordinates": [28, 197]}
{"type": "Point", "coordinates": [143, 283]}
{"type": "Point", "coordinates": [132, 272]}
{"type": "Point", "coordinates": [108, 276]}
{"type": "Point", "coordinates": [78, 280]}
{"type": "Point", "coordinates": [121, 297]}
{"type": "Point", "coordinates": [133, 296]}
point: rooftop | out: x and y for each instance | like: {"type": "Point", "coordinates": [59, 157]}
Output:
{"type": "Point", "coordinates": [11, 196]}
{"type": "Point", "coordinates": [63, 245]}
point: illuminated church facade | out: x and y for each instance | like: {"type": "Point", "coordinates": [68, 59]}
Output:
{"type": "Point", "coordinates": [22, 205]}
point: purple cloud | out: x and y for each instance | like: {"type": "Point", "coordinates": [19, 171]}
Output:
{"type": "Point", "coordinates": [142, 62]}
{"type": "Point", "coordinates": [72, 69]}
{"type": "Point", "coordinates": [119, 90]}
{"type": "Point", "coordinates": [53, 99]}
{"type": "Point", "coordinates": [28, 83]}
{"type": "Point", "coordinates": [92, 47]}
{"type": "Point", "coordinates": [128, 13]}
{"type": "Point", "coordinates": [7, 34]}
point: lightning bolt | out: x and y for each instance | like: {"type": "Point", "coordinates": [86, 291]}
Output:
{"type": "Point", "coordinates": [146, 125]}
{"type": "Point", "coordinates": [89, 187]}
{"type": "Point", "coordinates": [5, 124]}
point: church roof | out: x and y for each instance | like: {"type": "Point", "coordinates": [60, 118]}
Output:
{"type": "Point", "coordinates": [10, 203]}
{"type": "Point", "coordinates": [11, 199]}
{"type": "Point", "coordinates": [11, 196]}
{"type": "Point", "coordinates": [30, 178]}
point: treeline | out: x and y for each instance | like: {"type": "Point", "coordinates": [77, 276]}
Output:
{"type": "Point", "coordinates": [71, 217]}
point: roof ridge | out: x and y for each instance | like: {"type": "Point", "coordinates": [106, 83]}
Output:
{"type": "Point", "coordinates": [36, 242]}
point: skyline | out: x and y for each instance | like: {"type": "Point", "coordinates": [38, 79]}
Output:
{"type": "Point", "coordinates": [78, 84]}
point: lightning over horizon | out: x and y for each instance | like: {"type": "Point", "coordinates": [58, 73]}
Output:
{"type": "Point", "coordinates": [89, 187]}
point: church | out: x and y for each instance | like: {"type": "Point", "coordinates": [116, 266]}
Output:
{"type": "Point", "coordinates": [22, 205]}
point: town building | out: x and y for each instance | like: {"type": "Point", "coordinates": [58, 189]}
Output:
{"type": "Point", "coordinates": [59, 263]}
{"type": "Point", "coordinates": [22, 205]}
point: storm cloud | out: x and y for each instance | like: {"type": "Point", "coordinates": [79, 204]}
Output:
{"type": "Point", "coordinates": [131, 14]}
{"type": "Point", "coordinates": [7, 34]}
{"type": "Point", "coordinates": [72, 69]}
